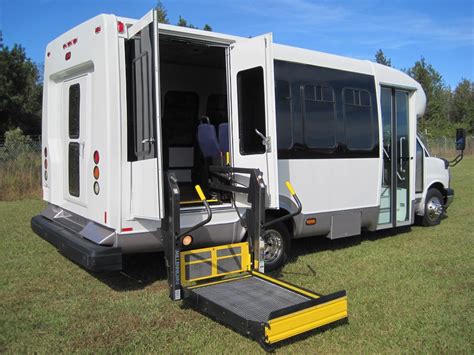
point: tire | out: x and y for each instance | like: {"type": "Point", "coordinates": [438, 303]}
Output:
{"type": "Point", "coordinates": [277, 246]}
{"type": "Point", "coordinates": [434, 208]}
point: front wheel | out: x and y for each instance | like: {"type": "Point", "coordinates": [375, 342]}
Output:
{"type": "Point", "coordinates": [277, 246]}
{"type": "Point", "coordinates": [434, 208]}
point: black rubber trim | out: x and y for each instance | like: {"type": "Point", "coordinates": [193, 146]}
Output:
{"type": "Point", "coordinates": [314, 302]}
{"type": "Point", "coordinates": [90, 256]}
{"type": "Point", "coordinates": [449, 192]}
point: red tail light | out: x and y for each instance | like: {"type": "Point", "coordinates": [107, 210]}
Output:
{"type": "Point", "coordinates": [96, 157]}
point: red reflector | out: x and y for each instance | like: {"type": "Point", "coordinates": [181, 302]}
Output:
{"type": "Point", "coordinates": [68, 55]}
{"type": "Point", "coordinates": [97, 29]}
{"type": "Point", "coordinates": [105, 217]}
{"type": "Point", "coordinates": [128, 229]}
{"type": "Point", "coordinates": [96, 157]}
{"type": "Point", "coordinates": [120, 27]}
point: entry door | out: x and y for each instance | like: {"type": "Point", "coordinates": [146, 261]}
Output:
{"type": "Point", "coordinates": [143, 80]}
{"type": "Point", "coordinates": [395, 203]}
{"type": "Point", "coordinates": [254, 140]}
{"type": "Point", "coordinates": [75, 113]}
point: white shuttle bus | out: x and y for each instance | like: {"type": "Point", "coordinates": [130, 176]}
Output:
{"type": "Point", "coordinates": [136, 114]}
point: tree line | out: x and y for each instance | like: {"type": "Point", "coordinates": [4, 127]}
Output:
{"type": "Point", "coordinates": [21, 90]}
{"type": "Point", "coordinates": [446, 109]}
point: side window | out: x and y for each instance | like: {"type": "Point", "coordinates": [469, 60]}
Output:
{"type": "Point", "coordinates": [74, 110]}
{"type": "Point", "coordinates": [251, 108]}
{"type": "Point", "coordinates": [283, 114]}
{"type": "Point", "coordinates": [74, 169]}
{"type": "Point", "coordinates": [359, 123]}
{"type": "Point", "coordinates": [140, 104]}
{"type": "Point", "coordinates": [319, 117]}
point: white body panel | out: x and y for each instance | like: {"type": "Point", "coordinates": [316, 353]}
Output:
{"type": "Point", "coordinates": [130, 200]}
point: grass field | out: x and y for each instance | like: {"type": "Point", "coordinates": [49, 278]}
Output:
{"type": "Point", "coordinates": [409, 291]}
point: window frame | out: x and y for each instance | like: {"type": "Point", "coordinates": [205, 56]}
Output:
{"type": "Point", "coordinates": [304, 116]}
{"type": "Point", "coordinates": [290, 99]}
{"type": "Point", "coordinates": [344, 117]}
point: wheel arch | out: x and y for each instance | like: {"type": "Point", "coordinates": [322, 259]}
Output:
{"type": "Point", "coordinates": [440, 187]}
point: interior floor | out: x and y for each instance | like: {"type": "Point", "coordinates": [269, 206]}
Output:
{"type": "Point", "coordinates": [193, 86]}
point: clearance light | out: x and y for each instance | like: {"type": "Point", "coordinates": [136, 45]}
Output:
{"type": "Point", "coordinates": [45, 152]}
{"type": "Point", "coordinates": [96, 157]}
{"type": "Point", "coordinates": [46, 163]}
{"type": "Point", "coordinates": [68, 56]}
{"type": "Point", "coordinates": [120, 27]}
{"type": "Point", "coordinates": [96, 172]}
{"type": "Point", "coordinates": [45, 175]}
{"type": "Point", "coordinates": [311, 221]}
{"type": "Point", "coordinates": [96, 188]}
{"type": "Point", "coordinates": [97, 29]}
{"type": "Point", "coordinates": [49, 53]}
{"type": "Point", "coordinates": [187, 240]}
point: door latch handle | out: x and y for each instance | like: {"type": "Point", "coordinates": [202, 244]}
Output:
{"type": "Point", "coordinates": [266, 141]}
{"type": "Point", "coordinates": [148, 140]}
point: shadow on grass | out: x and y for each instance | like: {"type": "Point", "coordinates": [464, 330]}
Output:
{"type": "Point", "coordinates": [310, 245]}
{"type": "Point", "coordinates": [138, 271]}
{"type": "Point", "coordinates": [141, 270]}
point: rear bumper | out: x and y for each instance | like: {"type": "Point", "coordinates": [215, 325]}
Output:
{"type": "Point", "coordinates": [90, 256]}
{"type": "Point", "coordinates": [449, 197]}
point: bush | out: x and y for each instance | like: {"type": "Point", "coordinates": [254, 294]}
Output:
{"type": "Point", "coordinates": [20, 167]}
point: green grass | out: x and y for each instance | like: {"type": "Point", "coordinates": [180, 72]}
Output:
{"type": "Point", "coordinates": [409, 291]}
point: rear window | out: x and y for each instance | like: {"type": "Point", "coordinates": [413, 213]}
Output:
{"type": "Point", "coordinates": [74, 110]}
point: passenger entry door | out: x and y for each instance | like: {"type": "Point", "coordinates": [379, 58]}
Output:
{"type": "Point", "coordinates": [254, 141]}
{"type": "Point", "coordinates": [143, 84]}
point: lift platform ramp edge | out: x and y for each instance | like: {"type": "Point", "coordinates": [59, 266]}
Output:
{"type": "Point", "coordinates": [224, 281]}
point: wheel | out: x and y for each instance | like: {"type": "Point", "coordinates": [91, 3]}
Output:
{"type": "Point", "coordinates": [277, 246]}
{"type": "Point", "coordinates": [434, 208]}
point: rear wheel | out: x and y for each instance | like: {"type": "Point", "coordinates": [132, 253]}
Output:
{"type": "Point", "coordinates": [277, 246]}
{"type": "Point", "coordinates": [434, 208]}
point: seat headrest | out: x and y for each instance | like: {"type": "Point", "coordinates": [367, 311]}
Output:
{"type": "Point", "coordinates": [207, 140]}
{"type": "Point", "coordinates": [224, 137]}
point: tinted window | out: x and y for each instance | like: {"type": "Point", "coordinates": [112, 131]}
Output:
{"type": "Point", "coordinates": [73, 169]}
{"type": "Point", "coordinates": [74, 111]}
{"type": "Point", "coordinates": [283, 114]}
{"type": "Point", "coordinates": [319, 117]}
{"type": "Point", "coordinates": [358, 119]}
{"type": "Point", "coordinates": [333, 113]}
{"type": "Point", "coordinates": [140, 103]}
{"type": "Point", "coordinates": [251, 105]}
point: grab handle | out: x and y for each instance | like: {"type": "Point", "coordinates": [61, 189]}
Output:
{"type": "Point", "coordinates": [202, 197]}
{"type": "Point", "coordinates": [291, 215]}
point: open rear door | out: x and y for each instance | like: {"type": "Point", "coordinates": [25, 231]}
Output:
{"type": "Point", "coordinates": [142, 53]}
{"type": "Point", "coordinates": [253, 112]}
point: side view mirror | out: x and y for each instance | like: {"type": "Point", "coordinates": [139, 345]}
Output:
{"type": "Point", "coordinates": [460, 139]}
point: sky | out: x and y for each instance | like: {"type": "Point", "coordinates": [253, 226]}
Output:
{"type": "Point", "coordinates": [441, 31]}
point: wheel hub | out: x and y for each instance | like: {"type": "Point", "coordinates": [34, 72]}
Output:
{"type": "Point", "coordinates": [273, 245]}
{"type": "Point", "coordinates": [434, 208]}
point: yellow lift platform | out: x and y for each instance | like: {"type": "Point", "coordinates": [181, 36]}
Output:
{"type": "Point", "coordinates": [226, 282]}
